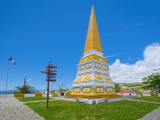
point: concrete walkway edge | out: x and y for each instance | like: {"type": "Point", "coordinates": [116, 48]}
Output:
{"type": "Point", "coordinates": [144, 101]}
{"type": "Point", "coordinates": [37, 101]}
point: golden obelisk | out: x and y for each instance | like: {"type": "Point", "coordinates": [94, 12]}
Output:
{"type": "Point", "coordinates": [93, 80]}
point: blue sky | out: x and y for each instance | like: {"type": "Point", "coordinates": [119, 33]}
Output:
{"type": "Point", "coordinates": [35, 32]}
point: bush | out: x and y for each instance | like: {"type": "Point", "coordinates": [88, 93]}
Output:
{"type": "Point", "coordinates": [69, 92]}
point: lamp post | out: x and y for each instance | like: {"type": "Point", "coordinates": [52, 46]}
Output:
{"type": "Point", "coordinates": [24, 86]}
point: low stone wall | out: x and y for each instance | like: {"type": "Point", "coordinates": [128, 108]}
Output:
{"type": "Point", "coordinates": [19, 95]}
{"type": "Point", "coordinates": [146, 94]}
{"type": "Point", "coordinates": [141, 94]}
{"type": "Point", "coordinates": [29, 95]}
{"type": "Point", "coordinates": [125, 93]}
{"type": "Point", "coordinates": [33, 95]}
{"type": "Point", "coordinates": [8, 95]}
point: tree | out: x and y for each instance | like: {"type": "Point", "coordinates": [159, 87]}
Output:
{"type": "Point", "coordinates": [153, 79]}
{"type": "Point", "coordinates": [68, 90]}
{"type": "Point", "coordinates": [52, 90]}
{"type": "Point", "coordinates": [117, 87]}
{"type": "Point", "coordinates": [44, 91]}
{"type": "Point", "coordinates": [148, 87]}
{"type": "Point", "coordinates": [28, 89]}
{"type": "Point", "coordinates": [60, 87]}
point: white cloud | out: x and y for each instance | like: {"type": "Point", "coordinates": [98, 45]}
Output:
{"type": "Point", "coordinates": [136, 24]}
{"type": "Point", "coordinates": [113, 55]}
{"type": "Point", "coordinates": [126, 27]}
{"type": "Point", "coordinates": [129, 58]}
{"type": "Point", "coordinates": [124, 73]}
{"type": "Point", "coordinates": [28, 80]}
{"type": "Point", "coordinates": [133, 25]}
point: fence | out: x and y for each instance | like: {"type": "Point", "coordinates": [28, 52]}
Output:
{"type": "Point", "coordinates": [141, 94]}
{"type": "Point", "coordinates": [38, 94]}
{"type": "Point", "coordinates": [20, 95]}
{"type": "Point", "coordinates": [55, 94]}
{"type": "Point", "coordinates": [67, 93]}
{"type": "Point", "coordinates": [155, 94]}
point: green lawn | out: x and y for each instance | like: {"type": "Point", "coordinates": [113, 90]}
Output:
{"type": "Point", "coordinates": [26, 99]}
{"type": "Point", "coordinates": [149, 98]}
{"type": "Point", "coordinates": [68, 110]}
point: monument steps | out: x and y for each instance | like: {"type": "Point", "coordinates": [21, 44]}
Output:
{"type": "Point", "coordinates": [94, 96]}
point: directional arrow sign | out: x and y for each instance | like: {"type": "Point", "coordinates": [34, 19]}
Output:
{"type": "Point", "coordinates": [43, 72]}
{"type": "Point", "coordinates": [51, 67]}
{"type": "Point", "coordinates": [52, 80]}
{"type": "Point", "coordinates": [51, 70]}
{"type": "Point", "coordinates": [51, 77]}
{"type": "Point", "coordinates": [51, 74]}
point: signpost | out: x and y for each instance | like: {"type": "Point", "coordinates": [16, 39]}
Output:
{"type": "Point", "coordinates": [49, 75]}
{"type": "Point", "coordinates": [24, 86]}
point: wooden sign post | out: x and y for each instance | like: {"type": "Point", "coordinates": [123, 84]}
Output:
{"type": "Point", "coordinates": [50, 74]}
{"type": "Point", "coordinates": [24, 86]}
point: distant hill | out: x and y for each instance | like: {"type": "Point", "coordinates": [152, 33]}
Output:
{"type": "Point", "coordinates": [123, 83]}
{"type": "Point", "coordinates": [129, 83]}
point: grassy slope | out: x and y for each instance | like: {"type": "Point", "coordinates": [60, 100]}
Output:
{"type": "Point", "coordinates": [26, 99]}
{"type": "Point", "coordinates": [68, 110]}
{"type": "Point", "coordinates": [149, 98]}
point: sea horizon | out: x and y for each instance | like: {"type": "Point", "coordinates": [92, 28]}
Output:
{"type": "Point", "coordinates": [8, 92]}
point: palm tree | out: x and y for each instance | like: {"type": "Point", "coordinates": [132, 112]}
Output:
{"type": "Point", "coordinates": [28, 89]}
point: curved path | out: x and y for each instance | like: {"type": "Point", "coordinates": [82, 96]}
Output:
{"type": "Point", "coordinates": [13, 109]}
